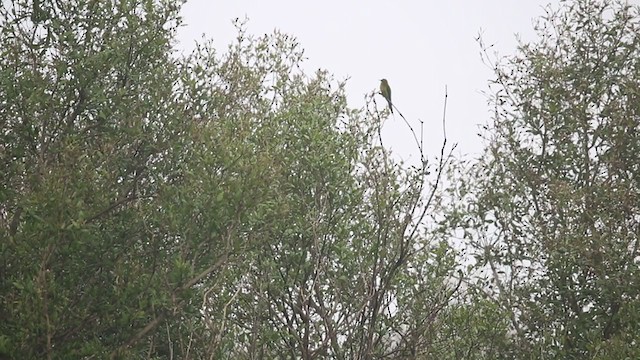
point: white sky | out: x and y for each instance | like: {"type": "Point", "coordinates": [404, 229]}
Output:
{"type": "Point", "coordinates": [419, 46]}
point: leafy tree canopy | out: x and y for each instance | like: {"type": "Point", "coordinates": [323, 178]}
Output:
{"type": "Point", "coordinates": [551, 209]}
{"type": "Point", "coordinates": [201, 206]}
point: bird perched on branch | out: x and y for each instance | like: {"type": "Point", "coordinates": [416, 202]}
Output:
{"type": "Point", "coordinates": [385, 91]}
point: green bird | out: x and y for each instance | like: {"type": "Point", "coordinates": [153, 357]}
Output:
{"type": "Point", "coordinates": [385, 91]}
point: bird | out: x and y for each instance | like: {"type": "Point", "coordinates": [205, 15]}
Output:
{"type": "Point", "coordinates": [385, 91]}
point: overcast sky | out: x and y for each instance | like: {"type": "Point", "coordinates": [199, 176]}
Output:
{"type": "Point", "coordinates": [419, 46]}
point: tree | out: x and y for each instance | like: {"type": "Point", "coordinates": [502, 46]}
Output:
{"type": "Point", "coordinates": [334, 260]}
{"type": "Point", "coordinates": [158, 206]}
{"type": "Point", "coordinates": [553, 202]}
{"type": "Point", "coordinates": [88, 126]}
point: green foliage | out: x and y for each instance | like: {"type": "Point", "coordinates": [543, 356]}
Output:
{"type": "Point", "coordinates": [225, 206]}
{"type": "Point", "coordinates": [553, 210]}
{"type": "Point", "coordinates": [321, 238]}
{"type": "Point", "coordinates": [232, 206]}
{"type": "Point", "coordinates": [87, 117]}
